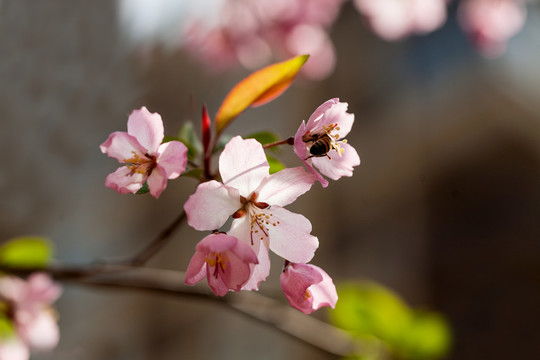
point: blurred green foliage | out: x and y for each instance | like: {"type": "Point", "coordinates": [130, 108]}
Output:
{"type": "Point", "coordinates": [29, 251]}
{"type": "Point", "coordinates": [370, 311]}
{"type": "Point", "coordinates": [6, 325]}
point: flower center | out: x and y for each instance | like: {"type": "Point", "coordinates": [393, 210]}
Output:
{"type": "Point", "coordinates": [141, 165]}
{"type": "Point", "coordinates": [218, 261]}
{"type": "Point", "coordinates": [259, 217]}
{"type": "Point", "coordinates": [320, 143]}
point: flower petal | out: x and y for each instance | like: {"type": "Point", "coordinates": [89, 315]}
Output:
{"type": "Point", "coordinates": [338, 166]}
{"type": "Point", "coordinates": [241, 229]}
{"type": "Point", "coordinates": [42, 333]}
{"type": "Point", "coordinates": [290, 237]}
{"type": "Point", "coordinates": [211, 205]}
{"type": "Point", "coordinates": [147, 127]}
{"type": "Point", "coordinates": [243, 164]}
{"type": "Point", "coordinates": [196, 270]}
{"type": "Point", "coordinates": [338, 114]}
{"type": "Point", "coordinates": [157, 181]}
{"type": "Point", "coordinates": [14, 349]}
{"type": "Point", "coordinates": [124, 181]}
{"type": "Point", "coordinates": [42, 289]}
{"type": "Point", "coordinates": [316, 120]}
{"type": "Point", "coordinates": [285, 186]}
{"type": "Point", "coordinates": [324, 293]}
{"type": "Point", "coordinates": [122, 146]}
{"type": "Point", "coordinates": [308, 287]}
{"type": "Point", "coordinates": [172, 158]}
{"type": "Point", "coordinates": [301, 151]}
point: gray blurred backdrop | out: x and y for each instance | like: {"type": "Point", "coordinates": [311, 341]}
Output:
{"type": "Point", "coordinates": [444, 208]}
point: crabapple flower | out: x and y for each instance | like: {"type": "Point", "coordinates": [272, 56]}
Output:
{"type": "Point", "coordinates": [491, 23]}
{"type": "Point", "coordinates": [308, 287]}
{"type": "Point", "coordinates": [224, 260]}
{"type": "Point", "coordinates": [256, 202]}
{"type": "Point", "coordinates": [396, 19]}
{"type": "Point", "coordinates": [26, 304]}
{"type": "Point", "coordinates": [316, 143]}
{"type": "Point", "coordinates": [146, 159]}
{"type": "Point", "coordinates": [252, 32]}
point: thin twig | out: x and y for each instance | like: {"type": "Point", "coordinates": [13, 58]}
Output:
{"type": "Point", "coordinates": [153, 247]}
{"type": "Point", "coordinates": [288, 141]}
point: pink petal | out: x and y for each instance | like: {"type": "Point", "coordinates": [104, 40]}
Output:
{"type": "Point", "coordinates": [338, 114]}
{"type": "Point", "coordinates": [238, 269]}
{"type": "Point", "coordinates": [290, 238]}
{"type": "Point", "coordinates": [124, 181]}
{"type": "Point", "coordinates": [235, 269]}
{"type": "Point", "coordinates": [42, 333]}
{"type": "Point", "coordinates": [122, 146]}
{"type": "Point", "coordinates": [260, 271]}
{"type": "Point", "coordinates": [42, 289]}
{"type": "Point", "coordinates": [13, 349]}
{"type": "Point", "coordinates": [241, 229]}
{"type": "Point", "coordinates": [211, 205]}
{"type": "Point", "coordinates": [147, 127]}
{"type": "Point", "coordinates": [314, 122]}
{"type": "Point", "coordinates": [338, 166]}
{"type": "Point", "coordinates": [285, 186]}
{"type": "Point", "coordinates": [308, 287]}
{"type": "Point", "coordinates": [301, 151]}
{"type": "Point", "coordinates": [157, 181]}
{"type": "Point", "coordinates": [172, 158]}
{"type": "Point", "coordinates": [216, 283]}
{"type": "Point", "coordinates": [196, 270]}
{"type": "Point", "coordinates": [324, 293]}
{"type": "Point", "coordinates": [243, 165]}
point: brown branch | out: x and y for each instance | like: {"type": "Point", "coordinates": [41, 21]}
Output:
{"type": "Point", "coordinates": [316, 333]}
{"type": "Point", "coordinates": [288, 141]}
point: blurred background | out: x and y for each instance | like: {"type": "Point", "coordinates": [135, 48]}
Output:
{"type": "Point", "coordinates": [443, 210]}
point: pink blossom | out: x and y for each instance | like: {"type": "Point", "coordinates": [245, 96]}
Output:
{"type": "Point", "coordinates": [146, 159]}
{"type": "Point", "coordinates": [225, 261]}
{"type": "Point", "coordinates": [255, 200]}
{"type": "Point", "coordinates": [316, 143]}
{"type": "Point", "coordinates": [27, 305]}
{"type": "Point", "coordinates": [491, 23]}
{"type": "Point", "coordinates": [252, 32]}
{"type": "Point", "coordinates": [308, 287]}
{"type": "Point", "coordinates": [396, 19]}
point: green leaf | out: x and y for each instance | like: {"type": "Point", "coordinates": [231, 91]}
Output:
{"type": "Point", "coordinates": [31, 251]}
{"type": "Point", "coordinates": [194, 173]}
{"type": "Point", "coordinates": [275, 164]}
{"type": "Point", "coordinates": [6, 325]}
{"type": "Point", "coordinates": [370, 309]}
{"type": "Point", "coordinates": [144, 189]}
{"type": "Point", "coordinates": [188, 136]}
{"type": "Point", "coordinates": [265, 137]}
{"type": "Point", "coordinates": [223, 140]}
{"type": "Point", "coordinates": [427, 337]}
{"type": "Point", "coordinates": [257, 89]}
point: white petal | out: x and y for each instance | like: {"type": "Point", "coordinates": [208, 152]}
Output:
{"type": "Point", "coordinates": [243, 165]}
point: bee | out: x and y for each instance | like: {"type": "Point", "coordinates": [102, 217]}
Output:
{"type": "Point", "coordinates": [322, 144]}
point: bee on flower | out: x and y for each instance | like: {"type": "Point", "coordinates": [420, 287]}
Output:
{"type": "Point", "coordinates": [320, 143]}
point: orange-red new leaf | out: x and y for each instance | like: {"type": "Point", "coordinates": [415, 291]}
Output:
{"type": "Point", "coordinates": [257, 89]}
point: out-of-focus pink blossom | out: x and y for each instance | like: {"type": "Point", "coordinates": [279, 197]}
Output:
{"type": "Point", "coordinates": [255, 200]}
{"type": "Point", "coordinates": [27, 305]}
{"type": "Point", "coordinates": [316, 143]}
{"type": "Point", "coordinates": [396, 19]}
{"type": "Point", "coordinates": [491, 23]}
{"type": "Point", "coordinates": [146, 159]}
{"type": "Point", "coordinates": [224, 260]}
{"type": "Point", "coordinates": [308, 287]}
{"type": "Point", "coordinates": [252, 32]}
